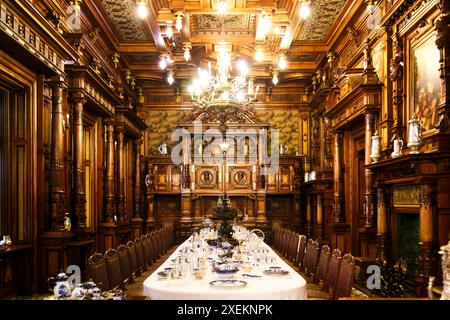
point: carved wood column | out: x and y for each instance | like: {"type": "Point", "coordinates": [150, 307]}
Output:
{"type": "Point", "coordinates": [308, 217]}
{"type": "Point", "coordinates": [261, 192]}
{"type": "Point", "coordinates": [396, 76]}
{"type": "Point", "coordinates": [137, 220]}
{"type": "Point", "coordinates": [383, 251]}
{"type": "Point", "coordinates": [79, 191]}
{"type": "Point", "coordinates": [110, 190]}
{"type": "Point", "coordinates": [137, 178]}
{"type": "Point", "coordinates": [150, 183]}
{"type": "Point", "coordinates": [120, 129]}
{"type": "Point", "coordinates": [368, 192]}
{"type": "Point", "coordinates": [338, 180]}
{"type": "Point", "coordinates": [57, 186]}
{"type": "Point", "coordinates": [186, 201]}
{"type": "Point", "coordinates": [428, 251]}
{"type": "Point", "coordinates": [443, 44]}
{"type": "Point", "coordinates": [320, 229]}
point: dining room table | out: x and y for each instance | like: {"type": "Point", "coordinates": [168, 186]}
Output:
{"type": "Point", "coordinates": [253, 271]}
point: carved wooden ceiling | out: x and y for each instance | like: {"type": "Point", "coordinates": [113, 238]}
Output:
{"type": "Point", "coordinates": [305, 42]}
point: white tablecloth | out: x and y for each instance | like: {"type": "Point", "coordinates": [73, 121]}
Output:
{"type": "Point", "coordinates": [287, 287]}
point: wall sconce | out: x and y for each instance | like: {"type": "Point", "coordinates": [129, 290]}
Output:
{"type": "Point", "coordinates": [169, 32]}
{"type": "Point", "coordinates": [133, 83]}
{"type": "Point", "coordinates": [128, 76]}
{"type": "Point", "coordinates": [275, 78]}
{"type": "Point", "coordinates": [259, 53]}
{"type": "Point", "coordinates": [282, 62]}
{"type": "Point", "coordinates": [179, 20]}
{"type": "Point", "coordinates": [115, 58]}
{"type": "Point", "coordinates": [170, 77]}
{"type": "Point", "coordinates": [187, 47]}
{"type": "Point", "coordinates": [162, 61]}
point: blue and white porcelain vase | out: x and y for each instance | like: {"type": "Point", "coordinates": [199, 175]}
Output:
{"type": "Point", "coordinates": [62, 288]}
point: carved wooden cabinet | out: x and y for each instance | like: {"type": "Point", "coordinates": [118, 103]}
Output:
{"type": "Point", "coordinates": [169, 190]}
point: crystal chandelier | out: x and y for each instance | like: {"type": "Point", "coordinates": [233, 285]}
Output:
{"type": "Point", "coordinates": [220, 86]}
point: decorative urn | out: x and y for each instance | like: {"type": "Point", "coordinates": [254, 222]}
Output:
{"type": "Point", "coordinates": [398, 146]}
{"type": "Point", "coordinates": [62, 288]}
{"type": "Point", "coordinates": [375, 153]}
{"type": "Point", "coordinates": [415, 134]}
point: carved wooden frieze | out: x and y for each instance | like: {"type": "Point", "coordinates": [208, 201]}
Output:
{"type": "Point", "coordinates": [230, 24]}
{"type": "Point", "coordinates": [20, 31]}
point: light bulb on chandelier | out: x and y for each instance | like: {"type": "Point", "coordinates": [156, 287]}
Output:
{"type": "Point", "coordinates": [141, 9]}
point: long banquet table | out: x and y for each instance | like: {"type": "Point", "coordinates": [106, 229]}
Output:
{"type": "Point", "coordinates": [267, 287]}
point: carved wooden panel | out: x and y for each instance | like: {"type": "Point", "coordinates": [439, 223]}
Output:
{"type": "Point", "coordinates": [161, 181]}
{"type": "Point", "coordinates": [240, 178]}
{"type": "Point", "coordinates": [207, 178]}
{"type": "Point", "coordinates": [175, 179]}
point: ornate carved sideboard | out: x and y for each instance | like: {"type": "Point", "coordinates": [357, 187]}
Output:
{"type": "Point", "coordinates": [185, 191]}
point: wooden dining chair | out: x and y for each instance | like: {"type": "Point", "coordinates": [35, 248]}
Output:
{"type": "Point", "coordinates": [322, 269]}
{"type": "Point", "coordinates": [145, 250]}
{"type": "Point", "coordinates": [124, 260]}
{"type": "Point", "coordinates": [311, 259]}
{"type": "Point", "coordinates": [331, 278]}
{"type": "Point", "coordinates": [299, 261]}
{"type": "Point", "coordinates": [155, 246]}
{"type": "Point", "coordinates": [293, 246]}
{"type": "Point", "coordinates": [98, 271]}
{"type": "Point", "coordinates": [134, 267]}
{"type": "Point", "coordinates": [346, 277]}
{"type": "Point", "coordinates": [274, 237]}
{"type": "Point", "coordinates": [140, 255]}
{"type": "Point", "coordinates": [114, 271]}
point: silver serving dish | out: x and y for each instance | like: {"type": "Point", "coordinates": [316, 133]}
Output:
{"type": "Point", "coordinates": [230, 283]}
{"type": "Point", "coordinates": [276, 272]}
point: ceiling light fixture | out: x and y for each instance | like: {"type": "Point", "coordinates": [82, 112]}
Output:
{"type": "Point", "coordinates": [305, 9]}
{"type": "Point", "coordinates": [259, 53]}
{"type": "Point", "coordinates": [275, 79]}
{"type": "Point", "coordinates": [266, 22]}
{"type": "Point", "coordinates": [219, 86]}
{"type": "Point", "coordinates": [179, 20]}
{"type": "Point", "coordinates": [222, 6]}
{"type": "Point", "coordinates": [162, 61]}
{"type": "Point", "coordinates": [282, 62]}
{"type": "Point", "coordinates": [187, 51]}
{"type": "Point", "coordinates": [169, 32]}
{"type": "Point", "coordinates": [141, 9]}
{"type": "Point", "coordinates": [170, 77]}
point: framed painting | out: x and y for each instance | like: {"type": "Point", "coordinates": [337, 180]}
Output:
{"type": "Point", "coordinates": [424, 80]}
